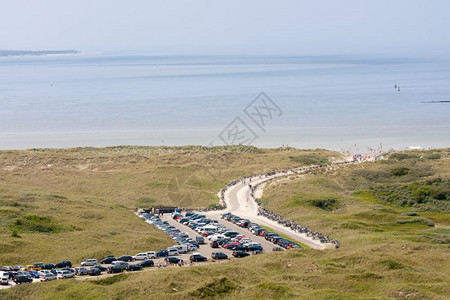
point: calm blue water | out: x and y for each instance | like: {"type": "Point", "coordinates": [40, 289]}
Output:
{"type": "Point", "coordinates": [329, 102]}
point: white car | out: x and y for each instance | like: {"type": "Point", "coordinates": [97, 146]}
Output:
{"type": "Point", "coordinates": [151, 254]}
{"type": "Point", "coordinates": [46, 276]}
{"type": "Point", "coordinates": [61, 274]}
{"type": "Point", "coordinates": [90, 262]}
{"type": "Point", "coordinates": [172, 252]}
{"type": "Point", "coordinates": [140, 256]}
{"type": "Point", "coordinates": [252, 244]}
{"type": "Point", "coordinates": [121, 264]}
{"type": "Point", "coordinates": [216, 237]}
{"type": "Point", "coordinates": [4, 280]}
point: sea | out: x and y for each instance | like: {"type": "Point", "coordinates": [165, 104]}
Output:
{"type": "Point", "coordinates": [345, 103]}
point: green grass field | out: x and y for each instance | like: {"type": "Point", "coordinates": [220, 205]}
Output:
{"type": "Point", "coordinates": [389, 248]}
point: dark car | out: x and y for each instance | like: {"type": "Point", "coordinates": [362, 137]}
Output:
{"type": "Point", "coordinates": [108, 260]}
{"type": "Point", "coordinates": [64, 264]}
{"type": "Point", "coordinates": [200, 240]}
{"type": "Point", "coordinates": [48, 266]}
{"type": "Point", "coordinates": [136, 267]}
{"type": "Point", "coordinates": [255, 248]}
{"type": "Point", "coordinates": [239, 253]}
{"type": "Point", "coordinates": [214, 244]}
{"type": "Point", "coordinates": [277, 249]}
{"type": "Point", "coordinates": [162, 253]}
{"type": "Point", "coordinates": [147, 263]}
{"type": "Point", "coordinates": [22, 279]}
{"type": "Point", "coordinates": [101, 268]}
{"type": "Point", "coordinates": [219, 255]}
{"type": "Point", "coordinates": [197, 257]}
{"type": "Point", "coordinates": [68, 269]}
{"type": "Point", "coordinates": [126, 258]}
{"type": "Point", "coordinates": [172, 260]}
{"type": "Point", "coordinates": [94, 271]}
{"type": "Point", "coordinates": [114, 269]}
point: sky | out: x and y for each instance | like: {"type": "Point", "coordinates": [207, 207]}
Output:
{"type": "Point", "coordinates": [288, 27]}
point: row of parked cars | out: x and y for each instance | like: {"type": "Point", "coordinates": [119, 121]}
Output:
{"type": "Point", "coordinates": [185, 243]}
{"type": "Point", "coordinates": [260, 231]}
{"type": "Point", "coordinates": [219, 235]}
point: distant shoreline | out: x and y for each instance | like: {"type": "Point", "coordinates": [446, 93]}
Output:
{"type": "Point", "coordinates": [21, 53]}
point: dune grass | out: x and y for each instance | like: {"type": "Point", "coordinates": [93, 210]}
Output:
{"type": "Point", "coordinates": [379, 257]}
{"type": "Point", "coordinates": [75, 204]}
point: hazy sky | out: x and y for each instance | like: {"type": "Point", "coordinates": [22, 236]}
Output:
{"type": "Point", "coordinates": [235, 27]}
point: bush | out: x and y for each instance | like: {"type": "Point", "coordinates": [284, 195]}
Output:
{"type": "Point", "coordinates": [399, 171]}
{"type": "Point", "coordinates": [326, 204]}
{"type": "Point", "coordinates": [402, 156]}
{"type": "Point", "coordinates": [110, 280]}
{"type": "Point", "coordinates": [433, 156]}
{"type": "Point", "coordinates": [35, 223]}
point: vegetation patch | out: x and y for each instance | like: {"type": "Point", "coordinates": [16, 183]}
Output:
{"type": "Point", "coordinates": [417, 220]}
{"type": "Point", "coordinates": [35, 223]}
{"type": "Point", "coordinates": [403, 156]}
{"type": "Point", "coordinates": [218, 287]}
{"type": "Point", "coordinates": [146, 202]}
{"type": "Point", "coordinates": [110, 280]}
{"type": "Point", "coordinates": [325, 204]}
{"type": "Point", "coordinates": [392, 264]}
{"type": "Point", "coordinates": [276, 289]}
{"type": "Point", "coordinates": [399, 171]}
{"type": "Point", "coordinates": [310, 159]}
{"type": "Point", "coordinates": [431, 195]}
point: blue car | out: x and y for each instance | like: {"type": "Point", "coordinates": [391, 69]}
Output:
{"type": "Point", "coordinates": [162, 253]}
{"type": "Point", "coordinates": [34, 274]}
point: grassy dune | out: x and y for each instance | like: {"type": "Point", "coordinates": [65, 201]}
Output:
{"type": "Point", "coordinates": [76, 203]}
{"type": "Point", "coordinates": [389, 249]}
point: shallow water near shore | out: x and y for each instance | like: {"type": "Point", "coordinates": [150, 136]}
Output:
{"type": "Point", "coordinates": [332, 102]}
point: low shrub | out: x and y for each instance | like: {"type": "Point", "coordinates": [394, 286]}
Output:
{"type": "Point", "coordinates": [399, 171]}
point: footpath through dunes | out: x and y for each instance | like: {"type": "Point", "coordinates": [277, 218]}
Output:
{"type": "Point", "coordinates": [240, 197]}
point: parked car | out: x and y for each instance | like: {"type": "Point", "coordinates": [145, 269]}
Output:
{"type": "Point", "coordinates": [140, 256]}
{"type": "Point", "coordinates": [197, 257]}
{"type": "Point", "coordinates": [46, 276]}
{"type": "Point", "coordinates": [120, 264]}
{"type": "Point", "coordinates": [136, 267]}
{"type": "Point", "coordinates": [101, 268]}
{"type": "Point", "coordinates": [64, 264]}
{"type": "Point", "coordinates": [114, 269]}
{"type": "Point", "coordinates": [162, 253]}
{"type": "Point", "coordinates": [172, 260]}
{"type": "Point", "coordinates": [108, 260]}
{"type": "Point", "coordinates": [34, 274]}
{"type": "Point", "coordinates": [147, 263]}
{"type": "Point", "coordinates": [172, 251]}
{"type": "Point", "coordinates": [94, 271]}
{"type": "Point", "coordinates": [89, 262]}
{"type": "Point", "coordinates": [22, 279]}
{"type": "Point", "coordinates": [219, 255]}
{"type": "Point", "coordinates": [48, 266]}
{"type": "Point", "coordinates": [200, 240]}
{"type": "Point", "coordinates": [62, 274]}
{"type": "Point", "coordinates": [79, 271]}
{"type": "Point", "coordinates": [214, 244]}
{"type": "Point", "coordinates": [126, 258]}
{"type": "Point", "coordinates": [151, 254]}
{"type": "Point", "coordinates": [277, 249]}
{"type": "Point", "coordinates": [240, 253]}
{"type": "Point", "coordinates": [4, 278]}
